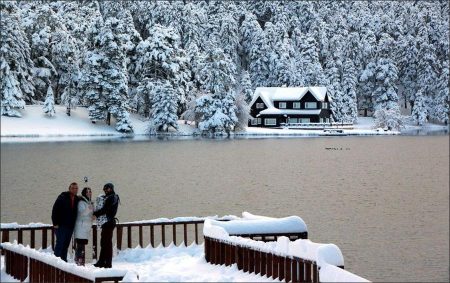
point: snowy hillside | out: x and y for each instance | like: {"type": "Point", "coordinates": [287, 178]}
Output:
{"type": "Point", "coordinates": [202, 60]}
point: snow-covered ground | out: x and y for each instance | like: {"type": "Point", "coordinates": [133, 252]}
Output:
{"type": "Point", "coordinates": [170, 264]}
{"type": "Point", "coordinates": [36, 126]}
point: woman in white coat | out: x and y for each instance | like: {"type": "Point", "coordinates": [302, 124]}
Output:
{"type": "Point", "coordinates": [83, 225]}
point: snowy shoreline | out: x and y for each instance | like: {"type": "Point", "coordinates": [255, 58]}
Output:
{"type": "Point", "coordinates": [35, 126]}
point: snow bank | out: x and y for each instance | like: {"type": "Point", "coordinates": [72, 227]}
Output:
{"type": "Point", "coordinates": [331, 273]}
{"type": "Point", "coordinates": [182, 219]}
{"type": "Point", "coordinates": [291, 224]}
{"type": "Point", "coordinates": [52, 260]}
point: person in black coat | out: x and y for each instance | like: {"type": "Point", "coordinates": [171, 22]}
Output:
{"type": "Point", "coordinates": [64, 215]}
{"type": "Point", "coordinates": [109, 209]}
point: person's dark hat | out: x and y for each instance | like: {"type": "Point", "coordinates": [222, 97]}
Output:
{"type": "Point", "coordinates": [108, 186]}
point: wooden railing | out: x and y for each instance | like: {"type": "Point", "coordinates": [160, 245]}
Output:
{"type": "Point", "coordinates": [21, 266]}
{"type": "Point", "coordinates": [318, 125]}
{"type": "Point", "coordinates": [127, 235]}
{"type": "Point", "coordinates": [285, 268]}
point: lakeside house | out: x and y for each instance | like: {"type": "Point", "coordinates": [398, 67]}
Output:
{"type": "Point", "coordinates": [274, 106]}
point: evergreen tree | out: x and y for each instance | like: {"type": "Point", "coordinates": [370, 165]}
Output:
{"type": "Point", "coordinates": [419, 111]}
{"type": "Point", "coordinates": [217, 108]}
{"type": "Point", "coordinates": [49, 104]}
{"type": "Point", "coordinates": [15, 63]}
{"type": "Point", "coordinates": [312, 73]}
{"type": "Point", "coordinates": [164, 110]}
{"type": "Point", "coordinates": [246, 87]}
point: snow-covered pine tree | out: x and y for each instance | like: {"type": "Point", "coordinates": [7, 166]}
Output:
{"type": "Point", "coordinates": [49, 104]}
{"type": "Point", "coordinates": [246, 87]}
{"type": "Point", "coordinates": [255, 46]}
{"type": "Point", "coordinates": [309, 64]}
{"type": "Point", "coordinates": [15, 62]}
{"type": "Point", "coordinates": [164, 106]}
{"type": "Point", "coordinates": [334, 89]}
{"type": "Point", "coordinates": [282, 64]}
{"type": "Point", "coordinates": [218, 111]}
{"type": "Point", "coordinates": [348, 85]}
{"type": "Point", "coordinates": [419, 112]}
{"type": "Point", "coordinates": [441, 102]}
{"type": "Point", "coordinates": [160, 57]}
{"type": "Point", "coordinates": [105, 80]}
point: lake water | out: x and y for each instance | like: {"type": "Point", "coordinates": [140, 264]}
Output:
{"type": "Point", "coordinates": [383, 200]}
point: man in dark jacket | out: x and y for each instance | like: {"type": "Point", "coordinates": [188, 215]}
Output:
{"type": "Point", "coordinates": [64, 214]}
{"type": "Point", "coordinates": [109, 209]}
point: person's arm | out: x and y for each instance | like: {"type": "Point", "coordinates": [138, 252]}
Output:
{"type": "Point", "coordinates": [105, 207]}
{"type": "Point", "coordinates": [56, 215]}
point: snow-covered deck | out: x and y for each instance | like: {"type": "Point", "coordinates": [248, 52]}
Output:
{"type": "Point", "coordinates": [170, 264]}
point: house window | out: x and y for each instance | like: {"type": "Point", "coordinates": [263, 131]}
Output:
{"type": "Point", "coordinates": [327, 120]}
{"type": "Point", "coordinates": [293, 120]}
{"type": "Point", "coordinates": [311, 105]}
{"type": "Point", "coordinates": [324, 105]}
{"type": "Point", "coordinates": [270, 122]}
{"type": "Point", "coordinates": [304, 120]}
{"type": "Point", "coordinates": [259, 105]}
{"type": "Point", "coordinates": [254, 122]}
{"type": "Point", "coordinates": [282, 105]}
{"type": "Point", "coordinates": [259, 121]}
{"type": "Point", "coordinates": [296, 105]}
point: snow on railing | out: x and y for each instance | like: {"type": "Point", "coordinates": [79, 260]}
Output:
{"type": "Point", "coordinates": [301, 259]}
{"type": "Point", "coordinates": [48, 259]}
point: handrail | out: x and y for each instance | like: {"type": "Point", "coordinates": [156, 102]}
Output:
{"type": "Point", "coordinates": [23, 262]}
{"type": "Point", "coordinates": [189, 231]}
{"type": "Point", "coordinates": [247, 259]}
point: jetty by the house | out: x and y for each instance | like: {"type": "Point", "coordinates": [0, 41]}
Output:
{"type": "Point", "coordinates": [247, 248]}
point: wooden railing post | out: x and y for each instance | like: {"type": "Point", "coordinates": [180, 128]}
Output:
{"type": "Point", "coordinates": [251, 260]}
{"type": "Point", "coordinates": [263, 263]}
{"type": "Point", "coordinates": [174, 234]}
{"type": "Point", "coordinates": [152, 236]}
{"type": "Point", "coordinates": [94, 242]}
{"type": "Point", "coordinates": [163, 235]}
{"type": "Point", "coordinates": [281, 267]}
{"type": "Point", "coordinates": [308, 277]}
{"type": "Point", "coordinates": [119, 232]}
{"type": "Point", "coordinates": [129, 236]}
{"type": "Point", "coordinates": [185, 235]}
{"type": "Point", "coordinates": [257, 262]}
{"type": "Point", "coordinates": [196, 233]}
{"type": "Point", "coordinates": [315, 274]}
{"type": "Point", "coordinates": [301, 273]}
{"type": "Point", "coordinates": [240, 257]}
{"type": "Point", "coordinates": [44, 238]}
{"type": "Point", "coordinates": [294, 271]}
{"type": "Point", "coordinates": [20, 236]}
{"type": "Point", "coordinates": [288, 266]}
{"type": "Point", "coordinates": [140, 237]}
{"type": "Point", "coordinates": [269, 264]}
{"type": "Point", "coordinates": [274, 266]}
{"type": "Point", "coordinates": [32, 239]}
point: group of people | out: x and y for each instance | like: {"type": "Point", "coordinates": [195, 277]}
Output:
{"type": "Point", "coordinates": [74, 214]}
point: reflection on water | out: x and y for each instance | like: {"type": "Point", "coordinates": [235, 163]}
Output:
{"type": "Point", "coordinates": [383, 200]}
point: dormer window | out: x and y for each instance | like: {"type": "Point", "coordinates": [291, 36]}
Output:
{"type": "Point", "coordinates": [324, 105]}
{"type": "Point", "coordinates": [311, 105]}
{"type": "Point", "coordinates": [282, 105]}
{"type": "Point", "coordinates": [296, 105]}
{"type": "Point", "coordinates": [259, 105]}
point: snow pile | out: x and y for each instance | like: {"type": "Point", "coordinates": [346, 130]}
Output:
{"type": "Point", "coordinates": [291, 224]}
{"type": "Point", "coordinates": [183, 219]}
{"type": "Point", "coordinates": [331, 273]}
{"type": "Point", "coordinates": [14, 225]}
{"type": "Point", "coordinates": [52, 260]}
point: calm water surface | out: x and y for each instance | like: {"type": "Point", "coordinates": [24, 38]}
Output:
{"type": "Point", "coordinates": [383, 200]}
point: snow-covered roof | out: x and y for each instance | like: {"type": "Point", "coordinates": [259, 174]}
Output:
{"type": "Point", "coordinates": [271, 94]}
{"type": "Point", "coordinates": [274, 110]}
